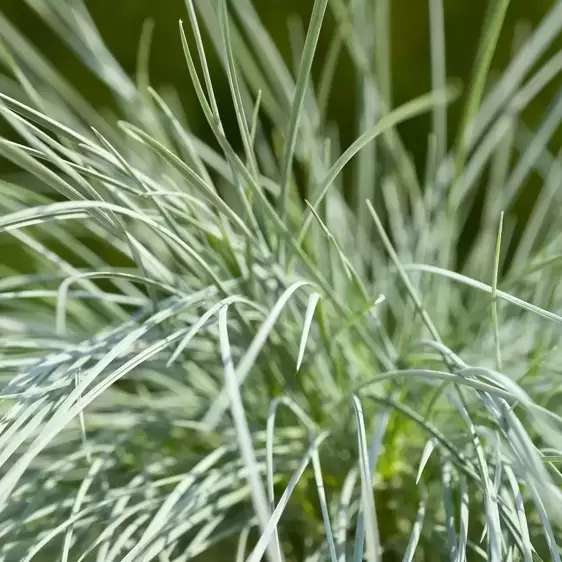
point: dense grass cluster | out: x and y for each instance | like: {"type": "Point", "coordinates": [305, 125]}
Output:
{"type": "Point", "coordinates": [220, 354]}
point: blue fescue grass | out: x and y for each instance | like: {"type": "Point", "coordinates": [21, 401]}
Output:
{"type": "Point", "coordinates": [206, 357]}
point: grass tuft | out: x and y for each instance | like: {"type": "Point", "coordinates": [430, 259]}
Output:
{"type": "Point", "coordinates": [209, 353]}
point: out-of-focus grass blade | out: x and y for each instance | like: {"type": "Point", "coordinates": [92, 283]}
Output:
{"type": "Point", "coordinates": [242, 544]}
{"type": "Point", "coordinates": [426, 453]}
{"type": "Point", "coordinates": [404, 112]}
{"type": "Point", "coordinates": [495, 323]}
{"type": "Point", "coordinates": [519, 506]}
{"type": "Point", "coordinates": [214, 414]}
{"type": "Point", "coordinates": [309, 316]}
{"type": "Point", "coordinates": [265, 537]}
{"type": "Point", "coordinates": [317, 469]}
{"type": "Point", "coordinates": [549, 533]}
{"type": "Point", "coordinates": [527, 57]}
{"type": "Point", "coordinates": [405, 279]}
{"type": "Point", "coordinates": [417, 528]}
{"type": "Point", "coordinates": [343, 516]}
{"type": "Point", "coordinates": [371, 537]}
{"type": "Point", "coordinates": [495, 539]}
{"type": "Point", "coordinates": [192, 332]}
{"type": "Point", "coordinates": [306, 421]}
{"type": "Point", "coordinates": [190, 175]}
{"type": "Point", "coordinates": [463, 520]}
{"type": "Point", "coordinates": [465, 280]}
{"type": "Point", "coordinates": [446, 478]}
{"type": "Point", "coordinates": [438, 77]}
{"type": "Point", "coordinates": [303, 79]}
{"type": "Point", "coordinates": [487, 46]}
{"type": "Point", "coordinates": [259, 496]}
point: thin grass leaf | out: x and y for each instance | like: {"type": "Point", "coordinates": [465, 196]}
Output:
{"type": "Point", "coordinates": [214, 414]}
{"type": "Point", "coordinates": [371, 533]}
{"type": "Point", "coordinates": [303, 78]}
{"type": "Point", "coordinates": [438, 76]}
{"type": "Point", "coordinates": [446, 478]}
{"type": "Point", "coordinates": [490, 34]}
{"type": "Point", "coordinates": [494, 295]}
{"type": "Point", "coordinates": [242, 544]}
{"type": "Point", "coordinates": [426, 453]}
{"type": "Point", "coordinates": [417, 529]}
{"type": "Point", "coordinates": [523, 524]}
{"type": "Point", "coordinates": [343, 517]}
{"type": "Point", "coordinates": [261, 546]}
{"type": "Point", "coordinates": [463, 520]}
{"type": "Point", "coordinates": [465, 280]}
{"type": "Point", "coordinates": [495, 540]}
{"type": "Point", "coordinates": [309, 316]}
{"type": "Point", "coordinates": [403, 113]}
{"type": "Point", "coordinates": [244, 437]}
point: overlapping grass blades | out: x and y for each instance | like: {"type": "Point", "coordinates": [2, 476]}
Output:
{"type": "Point", "coordinates": [161, 300]}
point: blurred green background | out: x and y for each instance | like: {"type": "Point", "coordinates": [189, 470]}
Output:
{"type": "Point", "coordinates": [120, 23]}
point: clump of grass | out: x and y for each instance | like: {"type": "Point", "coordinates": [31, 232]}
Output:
{"type": "Point", "coordinates": [206, 354]}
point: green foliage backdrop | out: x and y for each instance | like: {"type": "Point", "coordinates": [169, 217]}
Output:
{"type": "Point", "coordinates": [120, 23]}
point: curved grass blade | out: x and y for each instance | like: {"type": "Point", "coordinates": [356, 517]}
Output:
{"type": "Point", "coordinates": [213, 416]}
{"type": "Point", "coordinates": [465, 280]}
{"type": "Point", "coordinates": [309, 316]}
{"type": "Point", "coordinates": [410, 109]}
{"type": "Point", "coordinates": [426, 453]}
{"type": "Point", "coordinates": [265, 537]}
